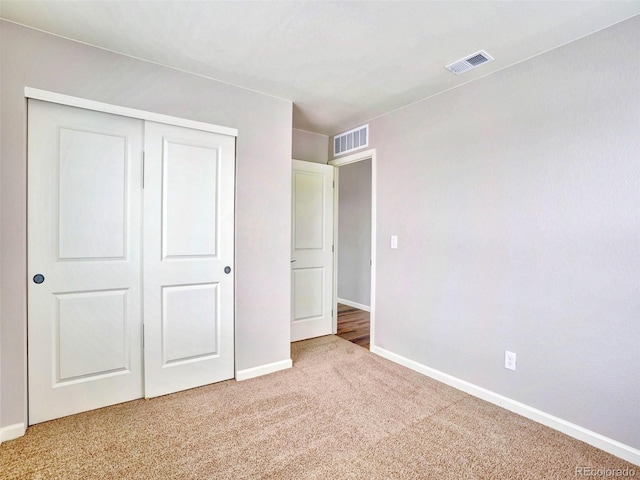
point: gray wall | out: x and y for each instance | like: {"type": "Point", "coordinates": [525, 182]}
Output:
{"type": "Point", "coordinates": [310, 147]}
{"type": "Point", "coordinates": [517, 205]}
{"type": "Point", "coordinates": [354, 232]}
{"type": "Point", "coordinates": [32, 58]}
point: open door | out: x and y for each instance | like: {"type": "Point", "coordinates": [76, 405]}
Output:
{"type": "Point", "coordinates": [312, 250]}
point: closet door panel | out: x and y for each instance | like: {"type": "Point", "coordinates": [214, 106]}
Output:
{"type": "Point", "coordinates": [84, 260]}
{"type": "Point", "coordinates": [188, 258]}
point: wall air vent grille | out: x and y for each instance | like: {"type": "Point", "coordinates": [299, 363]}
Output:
{"type": "Point", "coordinates": [351, 140]}
{"type": "Point", "coordinates": [472, 61]}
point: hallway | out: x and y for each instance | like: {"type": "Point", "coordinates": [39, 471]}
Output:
{"type": "Point", "coordinates": [353, 325]}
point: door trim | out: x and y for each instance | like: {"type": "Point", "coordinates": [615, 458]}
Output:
{"type": "Point", "coordinates": [87, 104]}
{"type": "Point", "coordinates": [369, 154]}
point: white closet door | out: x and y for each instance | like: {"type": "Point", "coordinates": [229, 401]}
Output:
{"type": "Point", "coordinates": [84, 224]}
{"type": "Point", "coordinates": [188, 258]}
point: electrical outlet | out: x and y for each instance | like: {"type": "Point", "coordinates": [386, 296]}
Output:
{"type": "Point", "coordinates": [509, 360]}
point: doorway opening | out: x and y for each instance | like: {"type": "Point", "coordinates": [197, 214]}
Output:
{"type": "Point", "coordinates": [354, 325]}
{"type": "Point", "coordinates": [354, 271]}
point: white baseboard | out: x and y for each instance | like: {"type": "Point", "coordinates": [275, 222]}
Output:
{"type": "Point", "coordinates": [357, 305]}
{"type": "Point", "coordinates": [12, 431]}
{"type": "Point", "coordinates": [609, 445]}
{"type": "Point", "coordinates": [248, 373]}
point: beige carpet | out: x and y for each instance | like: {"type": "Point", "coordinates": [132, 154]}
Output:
{"type": "Point", "coordinates": [339, 413]}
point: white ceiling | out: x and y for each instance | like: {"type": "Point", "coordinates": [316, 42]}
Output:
{"type": "Point", "coordinates": [340, 62]}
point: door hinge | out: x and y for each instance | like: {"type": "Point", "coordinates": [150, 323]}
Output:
{"type": "Point", "coordinates": [334, 184]}
{"type": "Point", "coordinates": [332, 248]}
{"type": "Point", "coordinates": [143, 160]}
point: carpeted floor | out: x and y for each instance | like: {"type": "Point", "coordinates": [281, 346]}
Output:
{"type": "Point", "coordinates": [339, 413]}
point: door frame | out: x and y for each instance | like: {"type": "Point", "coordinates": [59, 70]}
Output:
{"type": "Point", "coordinates": [87, 104]}
{"type": "Point", "coordinates": [369, 154]}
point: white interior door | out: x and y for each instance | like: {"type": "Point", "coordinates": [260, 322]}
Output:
{"type": "Point", "coordinates": [84, 233]}
{"type": "Point", "coordinates": [312, 250]}
{"type": "Point", "coordinates": [188, 258]}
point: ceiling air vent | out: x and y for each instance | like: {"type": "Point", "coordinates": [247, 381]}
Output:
{"type": "Point", "coordinates": [472, 61]}
{"type": "Point", "coordinates": [351, 140]}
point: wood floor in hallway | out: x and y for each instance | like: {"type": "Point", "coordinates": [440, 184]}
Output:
{"type": "Point", "coordinates": [353, 325]}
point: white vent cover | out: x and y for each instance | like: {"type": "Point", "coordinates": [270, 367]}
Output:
{"type": "Point", "coordinates": [472, 61]}
{"type": "Point", "coordinates": [351, 140]}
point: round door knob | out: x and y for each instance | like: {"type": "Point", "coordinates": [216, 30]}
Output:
{"type": "Point", "coordinates": [227, 270]}
{"type": "Point", "coordinates": [38, 278]}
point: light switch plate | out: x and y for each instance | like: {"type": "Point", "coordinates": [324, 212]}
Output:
{"type": "Point", "coordinates": [394, 241]}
